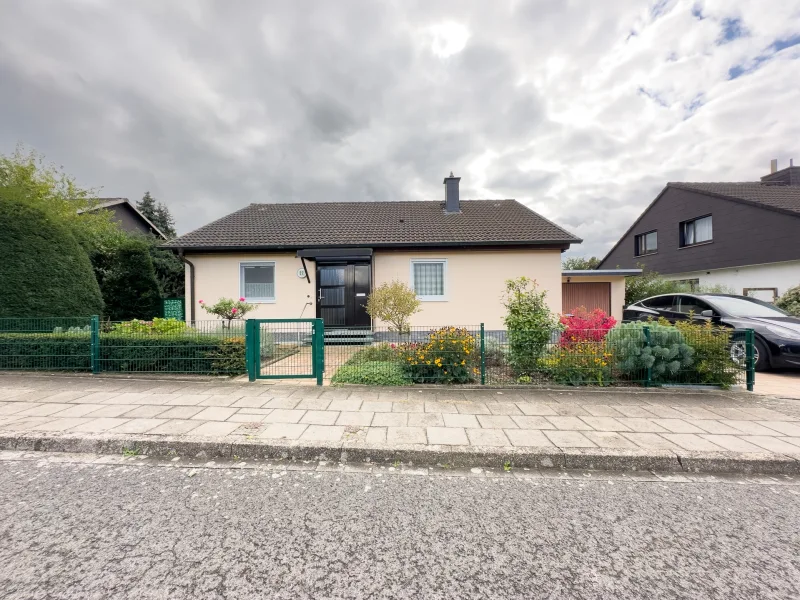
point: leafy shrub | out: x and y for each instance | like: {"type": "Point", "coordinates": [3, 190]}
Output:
{"type": "Point", "coordinates": [229, 309]}
{"type": "Point", "coordinates": [394, 303]}
{"type": "Point", "coordinates": [267, 340]}
{"type": "Point", "coordinates": [43, 272]}
{"type": "Point", "coordinates": [790, 301]}
{"type": "Point", "coordinates": [45, 351]}
{"type": "Point", "coordinates": [529, 322]}
{"type": "Point", "coordinates": [157, 326]}
{"type": "Point", "coordinates": [586, 326]}
{"type": "Point", "coordinates": [667, 353]}
{"type": "Point", "coordinates": [579, 363]}
{"type": "Point", "coordinates": [371, 373]}
{"type": "Point", "coordinates": [378, 353]}
{"type": "Point", "coordinates": [130, 289]}
{"type": "Point", "coordinates": [449, 356]}
{"type": "Point", "coordinates": [712, 358]}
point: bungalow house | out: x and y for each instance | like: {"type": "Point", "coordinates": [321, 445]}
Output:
{"type": "Point", "coordinates": [743, 236]}
{"type": "Point", "coordinates": [323, 259]}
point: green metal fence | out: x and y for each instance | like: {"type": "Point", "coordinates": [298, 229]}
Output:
{"type": "Point", "coordinates": [629, 354]}
{"type": "Point", "coordinates": [173, 308]}
{"type": "Point", "coordinates": [86, 344]}
{"type": "Point", "coordinates": [645, 354]}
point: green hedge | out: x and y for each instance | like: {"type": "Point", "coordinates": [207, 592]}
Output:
{"type": "Point", "coordinates": [45, 352]}
{"type": "Point", "coordinates": [206, 355]}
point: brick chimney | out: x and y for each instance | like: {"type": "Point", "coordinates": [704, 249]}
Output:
{"type": "Point", "coordinates": [451, 201]}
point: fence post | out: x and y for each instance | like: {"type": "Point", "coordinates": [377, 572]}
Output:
{"type": "Point", "coordinates": [250, 345]}
{"type": "Point", "coordinates": [483, 355]}
{"type": "Point", "coordinates": [750, 359]}
{"type": "Point", "coordinates": [649, 381]}
{"type": "Point", "coordinates": [94, 344]}
{"type": "Point", "coordinates": [319, 349]}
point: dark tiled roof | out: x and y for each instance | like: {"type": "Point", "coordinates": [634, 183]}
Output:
{"type": "Point", "coordinates": [375, 224]}
{"type": "Point", "coordinates": [781, 197]}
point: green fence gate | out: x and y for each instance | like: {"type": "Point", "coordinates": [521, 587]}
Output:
{"type": "Point", "coordinates": [285, 349]}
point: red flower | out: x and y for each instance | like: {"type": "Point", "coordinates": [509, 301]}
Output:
{"type": "Point", "coordinates": [233, 310]}
{"type": "Point", "coordinates": [241, 299]}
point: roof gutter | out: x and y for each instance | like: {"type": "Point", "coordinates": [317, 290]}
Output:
{"type": "Point", "coordinates": [189, 263]}
{"type": "Point", "coordinates": [544, 244]}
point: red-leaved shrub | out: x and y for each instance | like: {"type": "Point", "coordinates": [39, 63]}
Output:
{"type": "Point", "coordinates": [586, 326]}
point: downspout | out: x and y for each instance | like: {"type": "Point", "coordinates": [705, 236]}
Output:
{"type": "Point", "coordinates": [186, 261]}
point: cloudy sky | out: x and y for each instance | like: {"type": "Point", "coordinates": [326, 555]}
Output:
{"type": "Point", "coordinates": [582, 110]}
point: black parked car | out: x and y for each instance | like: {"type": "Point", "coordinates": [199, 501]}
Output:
{"type": "Point", "coordinates": [777, 333]}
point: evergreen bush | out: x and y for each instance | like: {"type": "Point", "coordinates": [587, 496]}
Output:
{"type": "Point", "coordinates": [666, 354]}
{"type": "Point", "coordinates": [43, 270]}
{"type": "Point", "coordinates": [130, 289]}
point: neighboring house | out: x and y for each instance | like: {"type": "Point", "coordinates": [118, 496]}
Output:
{"type": "Point", "coordinates": [323, 259]}
{"type": "Point", "coordinates": [127, 215]}
{"type": "Point", "coordinates": [745, 236]}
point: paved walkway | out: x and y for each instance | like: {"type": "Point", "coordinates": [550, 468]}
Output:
{"type": "Point", "coordinates": [659, 421]}
{"type": "Point", "coordinates": [785, 384]}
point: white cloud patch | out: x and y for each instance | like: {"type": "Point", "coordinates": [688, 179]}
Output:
{"type": "Point", "coordinates": [581, 110]}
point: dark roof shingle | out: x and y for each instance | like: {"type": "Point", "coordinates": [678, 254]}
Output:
{"type": "Point", "coordinates": [781, 197]}
{"type": "Point", "coordinates": [343, 224]}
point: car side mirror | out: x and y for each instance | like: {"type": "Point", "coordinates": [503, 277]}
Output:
{"type": "Point", "coordinates": [707, 313]}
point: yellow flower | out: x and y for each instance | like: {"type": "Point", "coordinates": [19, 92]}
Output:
{"type": "Point", "coordinates": [467, 351]}
{"type": "Point", "coordinates": [463, 362]}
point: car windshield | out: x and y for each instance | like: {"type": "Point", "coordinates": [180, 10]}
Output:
{"type": "Point", "coordinates": [743, 307]}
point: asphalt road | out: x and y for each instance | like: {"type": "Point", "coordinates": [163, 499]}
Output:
{"type": "Point", "coordinates": [130, 530]}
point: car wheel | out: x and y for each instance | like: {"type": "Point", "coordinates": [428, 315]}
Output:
{"type": "Point", "coordinates": [739, 354]}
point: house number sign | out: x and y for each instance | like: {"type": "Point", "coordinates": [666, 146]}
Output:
{"type": "Point", "coordinates": [301, 272]}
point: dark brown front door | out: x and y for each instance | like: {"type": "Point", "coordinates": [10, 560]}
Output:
{"type": "Point", "coordinates": [342, 292]}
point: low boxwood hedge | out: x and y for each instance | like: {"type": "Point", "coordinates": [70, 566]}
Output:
{"type": "Point", "coordinates": [207, 355]}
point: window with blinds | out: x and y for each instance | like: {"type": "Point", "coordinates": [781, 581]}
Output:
{"type": "Point", "coordinates": [428, 279]}
{"type": "Point", "coordinates": [697, 231]}
{"type": "Point", "coordinates": [257, 281]}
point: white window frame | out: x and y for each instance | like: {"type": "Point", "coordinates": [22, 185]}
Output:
{"type": "Point", "coordinates": [258, 263]}
{"type": "Point", "coordinates": [443, 262]}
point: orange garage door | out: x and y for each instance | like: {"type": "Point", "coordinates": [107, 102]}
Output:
{"type": "Point", "coordinates": [588, 295]}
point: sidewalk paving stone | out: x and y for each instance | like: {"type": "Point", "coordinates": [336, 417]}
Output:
{"type": "Point", "coordinates": [609, 439]}
{"type": "Point", "coordinates": [408, 407]}
{"type": "Point", "coordinates": [716, 427]}
{"type": "Point", "coordinates": [691, 441]}
{"type": "Point", "coordinates": [496, 422]}
{"type": "Point", "coordinates": [320, 417]}
{"type": "Point", "coordinates": [677, 426]}
{"type": "Point", "coordinates": [531, 422]}
{"type": "Point", "coordinates": [665, 412]}
{"type": "Point", "coordinates": [749, 427]}
{"type": "Point", "coordinates": [570, 410]}
{"type": "Point", "coordinates": [458, 420]}
{"type": "Point", "coordinates": [733, 414]}
{"type": "Point", "coordinates": [220, 400]}
{"type": "Point", "coordinates": [289, 431]}
{"type": "Point", "coordinates": [697, 412]}
{"type": "Point", "coordinates": [569, 424]}
{"type": "Point", "coordinates": [60, 424]}
{"type": "Point", "coordinates": [416, 419]}
{"type": "Point", "coordinates": [605, 424]}
{"type": "Point", "coordinates": [216, 428]}
{"type": "Point", "coordinates": [376, 406]}
{"type": "Point", "coordinates": [376, 435]}
{"type": "Point", "coordinates": [250, 402]}
{"type": "Point", "coordinates": [79, 410]}
{"type": "Point", "coordinates": [284, 415]}
{"type": "Point", "coordinates": [487, 437]}
{"type": "Point", "coordinates": [731, 443]}
{"type": "Point", "coordinates": [345, 405]}
{"type": "Point", "coordinates": [44, 410]}
{"type": "Point", "coordinates": [650, 441]}
{"type": "Point", "coordinates": [447, 436]}
{"type": "Point", "coordinates": [313, 404]}
{"type": "Point", "coordinates": [773, 444]}
{"type": "Point", "coordinates": [138, 426]}
{"type": "Point", "coordinates": [359, 419]}
{"type": "Point", "coordinates": [100, 425]}
{"type": "Point", "coordinates": [536, 409]}
{"type": "Point", "coordinates": [440, 407]}
{"type": "Point", "coordinates": [635, 412]}
{"type": "Point", "coordinates": [323, 433]}
{"type": "Point", "coordinates": [782, 427]}
{"type": "Point", "coordinates": [406, 435]}
{"type": "Point", "coordinates": [472, 408]}
{"type": "Point", "coordinates": [527, 437]}
{"type": "Point", "coordinates": [569, 439]}
{"type": "Point", "coordinates": [392, 419]}
{"type": "Point", "coordinates": [504, 408]}
{"type": "Point", "coordinates": [144, 412]}
{"type": "Point", "coordinates": [281, 403]}
{"type": "Point", "coordinates": [602, 410]}
{"type": "Point", "coordinates": [213, 413]}
{"type": "Point", "coordinates": [246, 418]}
{"type": "Point", "coordinates": [176, 427]}
{"type": "Point", "coordinates": [181, 412]}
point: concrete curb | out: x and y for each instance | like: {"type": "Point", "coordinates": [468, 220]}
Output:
{"type": "Point", "coordinates": [424, 455]}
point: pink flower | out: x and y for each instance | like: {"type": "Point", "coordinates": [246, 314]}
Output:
{"type": "Point", "coordinates": [201, 301]}
{"type": "Point", "coordinates": [233, 310]}
{"type": "Point", "coordinates": [241, 299]}
{"type": "Point", "coordinates": [392, 346]}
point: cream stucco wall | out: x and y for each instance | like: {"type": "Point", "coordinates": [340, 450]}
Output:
{"type": "Point", "coordinates": [217, 276]}
{"type": "Point", "coordinates": [617, 291]}
{"type": "Point", "coordinates": [475, 282]}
